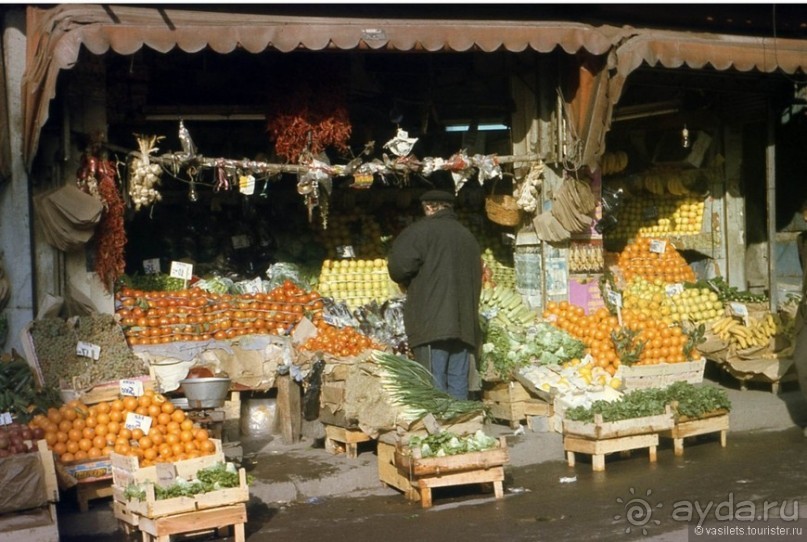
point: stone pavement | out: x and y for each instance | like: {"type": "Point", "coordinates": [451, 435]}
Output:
{"type": "Point", "coordinates": [306, 472]}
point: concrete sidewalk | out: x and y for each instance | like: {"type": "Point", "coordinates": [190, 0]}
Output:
{"type": "Point", "coordinates": [303, 472]}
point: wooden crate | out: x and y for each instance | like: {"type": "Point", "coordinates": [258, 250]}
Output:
{"type": "Point", "coordinates": [418, 475]}
{"type": "Point", "coordinates": [344, 439]}
{"type": "Point", "coordinates": [86, 471]}
{"type": "Point", "coordinates": [162, 528]}
{"type": "Point", "coordinates": [38, 524]}
{"type": "Point", "coordinates": [126, 470]}
{"type": "Point", "coordinates": [662, 375]}
{"type": "Point", "coordinates": [598, 448]}
{"type": "Point", "coordinates": [90, 491]}
{"type": "Point", "coordinates": [712, 423]}
{"type": "Point", "coordinates": [512, 402]}
{"type": "Point", "coordinates": [622, 428]}
{"type": "Point", "coordinates": [153, 508]}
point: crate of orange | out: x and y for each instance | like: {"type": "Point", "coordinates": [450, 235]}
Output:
{"type": "Point", "coordinates": [641, 352]}
{"type": "Point", "coordinates": [83, 437]}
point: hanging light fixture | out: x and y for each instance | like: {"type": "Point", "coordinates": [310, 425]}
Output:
{"type": "Point", "coordinates": [685, 137]}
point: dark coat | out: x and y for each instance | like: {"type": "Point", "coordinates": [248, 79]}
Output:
{"type": "Point", "coordinates": [439, 262]}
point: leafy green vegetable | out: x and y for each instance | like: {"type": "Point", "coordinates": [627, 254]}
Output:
{"type": "Point", "coordinates": [447, 443]}
{"type": "Point", "coordinates": [213, 478]}
{"type": "Point", "coordinates": [684, 398]}
{"type": "Point", "coordinates": [508, 350]}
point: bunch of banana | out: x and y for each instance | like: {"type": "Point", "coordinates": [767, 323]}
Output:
{"type": "Point", "coordinates": [613, 162]}
{"type": "Point", "coordinates": [654, 184]}
{"type": "Point", "coordinates": [757, 332]}
{"type": "Point", "coordinates": [676, 186]}
{"type": "Point", "coordinates": [506, 306]}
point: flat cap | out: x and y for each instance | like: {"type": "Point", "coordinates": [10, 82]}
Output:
{"type": "Point", "coordinates": [437, 195]}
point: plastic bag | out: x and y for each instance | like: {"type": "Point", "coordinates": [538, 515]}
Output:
{"type": "Point", "coordinates": [311, 395]}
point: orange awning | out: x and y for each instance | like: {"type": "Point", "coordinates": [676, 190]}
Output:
{"type": "Point", "coordinates": [55, 37]}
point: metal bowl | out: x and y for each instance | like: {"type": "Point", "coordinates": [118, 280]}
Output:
{"type": "Point", "coordinates": [210, 392]}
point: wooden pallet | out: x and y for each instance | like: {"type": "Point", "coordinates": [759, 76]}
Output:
{"type": "Point", "coordinates": [416, 477]}
{"type": "Point", "coordinates": [511, 402]}
{"type": "Point", "coordinates": [598, 448]}
{"type": "Point", "coordinates": [90, 491]}
{"type": "Point", "coordinates": [161, 529]}
{"type": "Point", "coordinates": [342, 439]}
{"type": "Point", "coordinates": [694, 427]}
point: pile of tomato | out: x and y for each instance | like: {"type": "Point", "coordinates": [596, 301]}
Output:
{"type": "Point", "coordinates": [345, 341]}
{"type": "Point", "coordinates": [196, 315]}
{"type": "Point", "coordinates": [653, 341]}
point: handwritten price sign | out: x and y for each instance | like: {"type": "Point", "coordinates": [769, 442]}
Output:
{"type": "Point", "coordinates": [137, 421]}
{"type": "Point", "coordinates": [658, 246]}
{"type": "Point", "coordinates": [151, 266]}
{"type": "Point", "coordinates": [181, 270]}
{"type": "Point", "coordinates": [5, 418]}
{"type": "Point", "coordinates": [674, 289]}
{"type": "Point", "coordinates": [615, 298]}
{"type": "Point", "coordinates": [88, 350]}
{"type": "Point", "coordinates": [131, 387]}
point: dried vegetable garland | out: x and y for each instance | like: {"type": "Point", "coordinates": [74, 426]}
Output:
{"type": "Point", "coordinates": [309, 121]}
{"type": "Point", "coordinates": [97, 176]}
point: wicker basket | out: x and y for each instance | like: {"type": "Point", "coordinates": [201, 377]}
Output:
{"type": "Point", "coordinates": [503, 210]}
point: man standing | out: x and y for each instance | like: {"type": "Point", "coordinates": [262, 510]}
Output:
{"type": "Point", "coordinates": [439, 264]}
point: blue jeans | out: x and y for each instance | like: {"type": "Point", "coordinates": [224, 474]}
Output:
{"type": "Point", "coordinates": [449, 362]}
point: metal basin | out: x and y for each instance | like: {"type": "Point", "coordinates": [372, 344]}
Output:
{"type": "Point", "coordinates": [208, 392]}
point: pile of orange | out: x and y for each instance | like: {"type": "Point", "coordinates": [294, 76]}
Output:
{"type": "Point", "coordinates": [76, 431]}
{"type": "Point", "coordinates": [637, 260]}
{"type": "Point", "coordinates": [662, 343]}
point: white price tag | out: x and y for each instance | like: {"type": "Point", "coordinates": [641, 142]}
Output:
{"type": "Point", "coordinates": [615, 298]}
{"type": "Point", "coordinates": [240, 241]}
{"type": "Point", "coordinates": [658, 246]}
{"type": "Point", "coordinates": [5, 418]}
{"type": "Point", "coordinates": [246, 184]}
{"type": "Point", "coordinates": [131, 387]}
{"type": "Point", "coordinates": [151, 266]}
{"type": "Point", "coordinates": [738, 309]}
{"type": "Point", "coordinates": [181, 270]}
{"type": "Point", "coordinates": [345, 251]}
{"type": "Point", "coordinates": [88, 350]}
{"type": "Point", "coordinates": [255, 286]}
{"type": "Point", "coordinates": [674, 289]}
{"type": "Point", "coordinates": [138, 421]}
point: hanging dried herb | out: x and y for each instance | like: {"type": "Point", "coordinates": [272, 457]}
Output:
{"type": "Point", "coordinates": [309, 120]}
{"type": "Point", "coordinates": [97, 176]}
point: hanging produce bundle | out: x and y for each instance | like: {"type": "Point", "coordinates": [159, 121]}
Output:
{"type": "Point", "coordinates": [144, 176]}
{"type": "Point", "coordinates": [410, 386]}
{"type": "Point", "coordinates": [654, 259]}
{"type": "Point", "coordinates": [97, 176]}
{"type": "Point", "coordinates": [309, 120]}
{"type": "Point", "coordinates": [196, 315]}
